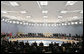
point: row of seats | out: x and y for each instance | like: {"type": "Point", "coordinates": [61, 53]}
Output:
{"type": "Point", "coordinates": [20, 47]}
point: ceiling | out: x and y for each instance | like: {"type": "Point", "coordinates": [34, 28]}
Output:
{"type": "Point", "coordinates": [34, 11]}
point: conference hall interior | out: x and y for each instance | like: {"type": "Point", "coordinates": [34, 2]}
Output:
{"type": "Point", "coordinates": [41, 26]}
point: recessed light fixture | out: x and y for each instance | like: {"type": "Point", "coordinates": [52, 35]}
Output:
{"type": "Point", "coordinates": [28, 16]}
{"type": "Point", "coordinates": [38, 4]}
{"type": "Point", "coordinates": [45, 11]}
{"type": "Point", "coordinates": [62, 23]}
{"type": "Point", "coordinates": [45, 16]}
{"type": "Point", "coordinates": [29, 24]}
{"type": "Point", "coordinates": [43, 2]}
{"type": "Point", "coordinates": [14, 3]}
{"type": "Point", "coordinates": [54, 24]}
{"type": "Point", "coordinates": [65, 24]}
{"type": "Point", "coordinates": [32, 24]}
{"type": "Point", "coordinates": [37, 24]}
{"type": "Point", "coordinates": [68, 23]}
{"type": "Point", "coordinates": [17, 22]}
{"type": "Point", "coordinates": [3, 12]}
{"type": "Point", "coordinates": [80, 22]}
{"type": "Point", "coordinates": [48, 24]}
{"type": "Point", "coordinates": [10, 21]}
{"type": "Point", "coordinates": [75, 17]}
{"type": "Point", "coordinates": [14, 22]}
{"type": "Point", "coordinates": [59, 24]}
{"type": "Point", "coordinates": [72, 23]}
{"type": "Point", "coordinates": [23, 12]}
{"type": "Point", "coordinates": [26, 23]}
{"type": "Point", "coordinates": [5, 20]}
{"type": "Point", "coordinates": [20, 22]}
{"type": "Point", "coordinates": [71, 3]}
{"type": "Point", "coordinates": [75, 22]}
{"type": "Point", "coordinates": [2, 19]}
{"type": "Point", "coordinates": [63, 12]}
{"type": "Point", "coordinates": [59, 16]}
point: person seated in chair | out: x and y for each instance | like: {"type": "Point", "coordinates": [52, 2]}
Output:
{"type": "Point", "coordinates": [56, 44]}
{"type": "Point", "coordinates": [35, 44]}
{"type": "Point", "coordinates": [41, 44]}
{"type": "Point", "coordinates": [27, 43]}
{"type": "Point", "coordinates": [51, 44]}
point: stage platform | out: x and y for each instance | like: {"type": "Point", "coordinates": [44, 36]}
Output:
{"type": "Point", "coordinates": [64, 40]}
{"type": "Point", "coordinates": [46, 41]}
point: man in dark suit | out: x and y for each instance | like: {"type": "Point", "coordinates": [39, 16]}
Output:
{"type": "Point", "coordinates": [35, 44]}
{"type": "Point", "coordinates": [27, 43]}
{"type": "Point", "coordinates": [41, 44]}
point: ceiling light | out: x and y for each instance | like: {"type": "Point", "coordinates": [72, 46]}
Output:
{"type": "Point", "coordinates": [14, 22]}
{"type": "Point", "coordinates": [17, 22]}
{"type": "Point", "coordinates": [59, 24]}
{"type": "Point", "coordinates": [5, 20]}
{"type": "Point", "coordinates": [48, 24]}
{"type": "Point", "coordinates": [51, 24]}
{"type": "Point", "coordinates": [76, 23]}
{"type": "Point", "coordinates": [62, 23]}
{"type": "Point", "coordinates": [20, 22]}
{"type": "Point", "coordinates": [72, 22]}
{"type": "Point", "coordinates": [43, 2]}
{"type": "Point", "coordinates": [43, 24]}
{"type": "Point", "coordinates": [26, 23]}
{"type": "Point", "coordinates": [10, 21]}
{"type": "Point", "coordinates": [23, 23]}
{"type": "Point", "coordinates": [23, 12]}
{"type": "Point", "coordinates": [28, 16]}
{"type": "Point", "coordinates": [68, 23]}
{"type": "Point", "coordinates": [32, 24]}
{"type": "Point", "coordinates": [45, 11]}
{"type": "Point", "coordinates": [29, 24]}
{"type": "Point", "coordinates": [3, 12]}
{"type": "Point", "coordinates": [2, 19]}
{"type": "Point", "coordinates": [80, 22]}
{"type": "Point", "coordinates": [63, 12]}
{"type": "Point", "coordinates": [75, 17]}
{"type": "Point", "coordinates": [54, 24]}
{"type": "Point", "coordinates": [59, 16]}
{"type": "Point", "coordinates": [45, 16]}
{"type": "Point", "coordinates": [65, 24]}
{"type": "Point", "coordinates": [14, 3]}
{"type": "Point", "coordinates": [71, 3]}
{"type": "Point", "coordinates": [39, 24]}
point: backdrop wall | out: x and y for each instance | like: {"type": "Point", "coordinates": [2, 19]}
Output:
{"type": "Point", "coordinates": [73, 29]}
{"type": "Point", "coordinates": [9, 28]}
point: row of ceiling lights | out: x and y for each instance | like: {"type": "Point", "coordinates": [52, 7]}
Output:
{"type": "Point", "coordinates": [38, 24]}
{"type": "Point", "coordinates": [43, 3]}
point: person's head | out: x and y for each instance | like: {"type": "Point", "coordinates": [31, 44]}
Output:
{"type": "Point", "coordinates": [35, 42]}
{"type": "Point", "coordinates": [27, 42]}
{"type": "Point", "coordinates": [41, 42]}
{"type": "Point", "coordinates": [51, 42]}
{"type": "Point", "coordinates": [17, 40]}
